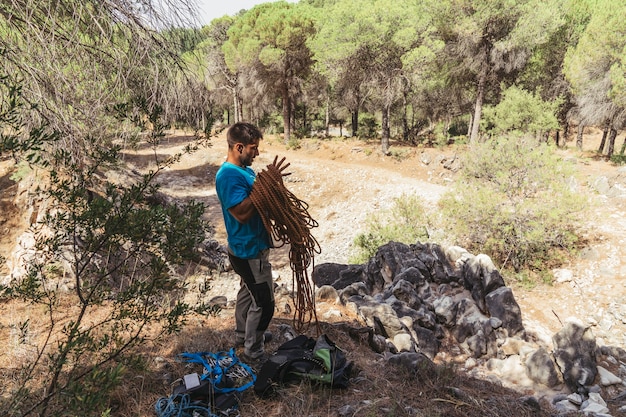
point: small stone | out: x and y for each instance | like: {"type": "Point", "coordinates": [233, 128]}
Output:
{"type": "Point", "coordinates": [575, 399]}
{"type": "Point", "coordinates": [607, 378]}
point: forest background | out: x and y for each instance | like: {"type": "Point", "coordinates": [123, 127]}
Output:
{"type": "Point", "coordinates": [83, 81]}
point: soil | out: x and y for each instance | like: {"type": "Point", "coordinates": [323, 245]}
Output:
{"type": "Point", "coordinates": [345, 180]}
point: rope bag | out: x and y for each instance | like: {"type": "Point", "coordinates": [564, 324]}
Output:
{"type": "Point", "coordinates": [288, 221]}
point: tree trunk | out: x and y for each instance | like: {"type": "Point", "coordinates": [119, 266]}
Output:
{"type": "Point", "coordinates": [611, 148]}
{"type": "Point", "coordinates": [355, 113]}
{"type": "Point", "coordinates": [621, 151]}
{"type": "Point", "coordinates": [603, 141]}
{"type": "Point", "coordinates": [286, 114]}
{"type": "Point", "coordinates": [327, 121]}
{"type": "Point", "coordinates": [386, 134]}
{"type": "Point", "coordinates": [478, 109]}
{"type": "Point", "coordinates": [405, 119]}
{"type": "Point", "coordinates": [355, 123]}
{"type": "Point", "coordinates": [579, 136]}
{"type": "Point", "coordinates": [237, 106]}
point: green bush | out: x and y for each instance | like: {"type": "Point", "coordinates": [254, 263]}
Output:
{"type": "Point", "coordinates": [522, 112]}
{"type": "Point", "coordinates": [121, 249]}
{"type": "Point", "coordinates": [618, 159]}
{"type": "Point", "coordinates": [513, 203]}
{"type": "Point", "coordinates": [404, 222]}
{"type": "Point", "coordinates": [368, 126]}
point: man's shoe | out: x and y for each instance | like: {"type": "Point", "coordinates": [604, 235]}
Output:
{"type": "Point", "coordinates": [267, 337]}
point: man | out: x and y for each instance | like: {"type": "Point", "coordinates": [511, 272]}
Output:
{"type": "Point", "coordinates": [248, 240]}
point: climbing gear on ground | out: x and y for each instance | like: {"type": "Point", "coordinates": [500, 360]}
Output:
{"type": "Point", "coordinates": [287, 220]}
{"type": "Point", "coordinates": [304, 358]}
{"type": "Point", "coordinates": [214, 392]}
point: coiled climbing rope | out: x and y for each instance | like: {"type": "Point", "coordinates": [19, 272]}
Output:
{"type": "Point", "coordinates": [288, 221]}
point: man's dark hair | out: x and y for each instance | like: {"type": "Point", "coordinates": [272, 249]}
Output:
{"type": "Point", "coordinates": [242, 132]}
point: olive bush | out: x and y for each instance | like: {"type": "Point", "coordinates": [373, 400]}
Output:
{"type": "Point", "coordinates": [515, 203]}
{"type": "Point", "coordinates": [405, 221]}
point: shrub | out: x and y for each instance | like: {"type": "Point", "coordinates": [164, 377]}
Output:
{"type": "Point", "coordinates": [404, 222]}
{"type": "Point", "coordinates": [521, 111]}
{"type": "Point", "coordinates": [514, 204]}
{"type": "Point", "coordinates": [120, 248]}
{"type": "Point", "coordinates": [368, 126]}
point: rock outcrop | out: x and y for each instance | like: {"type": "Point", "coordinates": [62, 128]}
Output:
{"type": "Point", "coordinates": [420, 298]}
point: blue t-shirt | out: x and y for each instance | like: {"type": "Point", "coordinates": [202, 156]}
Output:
{"type": "Point", "coordinates": [233, 184]}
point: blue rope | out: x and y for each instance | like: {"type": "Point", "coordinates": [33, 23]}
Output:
{"type": "Point", "coordinates": [215, 373]}
{"type": "Point", "coordinates": [179, 406]}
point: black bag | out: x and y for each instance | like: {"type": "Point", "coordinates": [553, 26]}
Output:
{"type": "Point", "coordinates": [303, 357]}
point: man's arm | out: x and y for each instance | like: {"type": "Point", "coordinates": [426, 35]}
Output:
{"type": "Point", "coordinates": [243, 211]}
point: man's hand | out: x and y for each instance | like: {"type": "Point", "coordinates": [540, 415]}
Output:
{"type": "Point", "coordinates": [279, 166]}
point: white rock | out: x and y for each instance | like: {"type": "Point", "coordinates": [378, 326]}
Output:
{"type": "Point", "coordinates": [403, 342]}
{"type": "Point", "coordinates": [595, 408]}
{"type": "Point", "coordinates": [596, 398]}
{"type": "Point", "coordinates": [563, 275]}
{"type": "Point", "coordinates": [332, 313]}
{"type": "Point", "coordinates": [607, 377]}
{"type": "Point", "coordinates": [565, 406]}
{"type": "Point", "coordinates": [575, 399]}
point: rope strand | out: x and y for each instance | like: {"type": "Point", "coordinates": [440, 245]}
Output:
{"type": "Point", "coordinates": [288, 221]}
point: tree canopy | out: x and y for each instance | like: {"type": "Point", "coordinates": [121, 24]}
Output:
{"type": "Point", "coordinates": [269, 44]}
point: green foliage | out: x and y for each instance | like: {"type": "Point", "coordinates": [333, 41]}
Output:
{"type": "Point", "coordinates": [404, 222]}
{"type": "Point", "coordinates": [399, 154]}
{"type": "Point", "coordinates": [619, 159]}
{"type": "Point", "coordinates": [368, 126]}
{"type": "Point", "coordinates": [294, 142]}
{"type": "Point", "coordinates": [520, 111]}
{"type": "Point", "coordinates": [21, 171]}
{"type": "Point", "coordinates": [594, 66]}
{"type": "Point", "coordinates": [515, 205]}
{"type": "Point", "coordinates": [121, 249]}
{"type": "Point", "coordinates": [15, 138]}
{"type": "Point", "coordinates": [184, 39]}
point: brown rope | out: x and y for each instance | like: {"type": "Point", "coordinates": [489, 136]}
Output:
{"type": "Point", "coordinates": [287, 220]}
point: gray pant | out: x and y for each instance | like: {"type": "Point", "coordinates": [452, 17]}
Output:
{"type": "Point", "coordinates": [255, 301]}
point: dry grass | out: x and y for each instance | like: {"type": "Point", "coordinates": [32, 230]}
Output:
{"type": "Point", "coordinates": [376, 388]}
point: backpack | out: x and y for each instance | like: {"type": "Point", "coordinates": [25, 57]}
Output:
{"type": "Point", "coordinates": [302, 357]}
{"type": "Point", "coordinates": [217, 391]}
